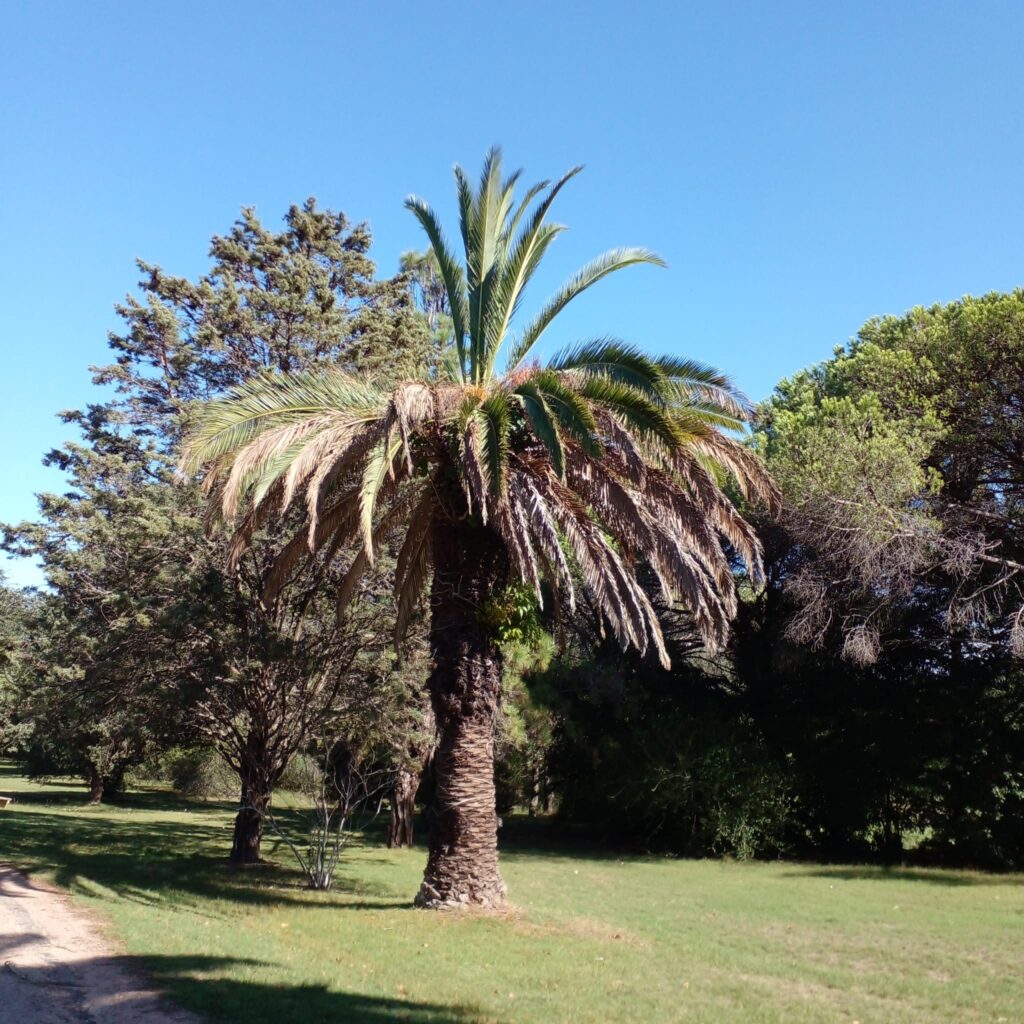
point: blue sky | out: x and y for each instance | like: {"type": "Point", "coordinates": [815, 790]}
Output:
{"type": "Point", "coordinates": [802, 167]}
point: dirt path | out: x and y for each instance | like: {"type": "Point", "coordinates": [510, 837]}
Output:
{"type": "Point", "coordinates": [56, 968]}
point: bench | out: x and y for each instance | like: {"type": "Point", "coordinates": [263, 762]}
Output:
{"type": "Point", "coordinates": [4, 801]}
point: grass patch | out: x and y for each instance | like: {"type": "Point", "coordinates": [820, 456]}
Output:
{"type": "Point", "coordinates": [592, 938]}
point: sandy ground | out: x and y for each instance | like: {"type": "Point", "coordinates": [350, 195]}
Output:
{"type": "Point", "coordinates": [56, 968]}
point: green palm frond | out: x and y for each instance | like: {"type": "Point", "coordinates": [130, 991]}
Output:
{"type": "Point", "coordinates": [452, 273]}
{"type": "Point", "coordinates": [645, 418]}
{"type": "Point", "coordinates": [495, 420]}
{"type": "Point", "coordinates": [543, 423]}
{"type": "Point", "coordinates": [570, 409]}
{"type": "Point", "coordinates": [278, 400]}
{"type": "Point", "coordinates": [691, 381]}
{"type": "Point", "coordinates": [587, 277]}
{"type": "Point", "coordinates": [618, 361]}
{"type": "Point", "coordinates": [523, 260]}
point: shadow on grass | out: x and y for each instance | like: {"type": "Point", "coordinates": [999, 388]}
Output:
{"type": "Point", "coordinates": [154, 860]}
{"type": "Point", "coordinates": [931, 876]}
{"type": "Point", "coordinates": [204, 985]}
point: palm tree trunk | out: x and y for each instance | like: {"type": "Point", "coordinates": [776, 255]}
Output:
{"type": "Point", "coordinates": [462, 867]}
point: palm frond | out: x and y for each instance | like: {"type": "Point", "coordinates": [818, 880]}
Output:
{"type": "Point", "coordinates": [619, 362]}
{"type": "Point", "coordinates": [522, 262]}
{"type": "Point", "coordinates": [379, 468]}
{"type": "Point", "coordinates": [544, 532]}
{"type": "Point", "coordinates": [452, 273]}
{"type": "Point", "coordinates": [543, 423]}
{"type": "Point", "coordinates": [639, 414]}
{"type": "Point", "coordinates": [339, 521]}
{"type": "Point", "coordinates": [277, 401]}
{"type": "Point", "coordinates": [692, 380]}
{"type": "Point", "coordinates": [596, 270]}
{"type": "Point", "coordinates": [495, 422]}
{"type": "Point", "coordinates": [570, 409]}
{"type": "Point", "coordinates": [413, 561]}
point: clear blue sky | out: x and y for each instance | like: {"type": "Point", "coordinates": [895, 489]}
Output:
{"type": "Point", "coordinates": [802, 167]}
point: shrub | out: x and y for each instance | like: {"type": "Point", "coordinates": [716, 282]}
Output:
{"type": "Point", "coordinates": [200, 772]}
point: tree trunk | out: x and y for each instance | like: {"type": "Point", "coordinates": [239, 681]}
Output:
{"type": "Point", "coordinates": [245, 846]}
{"type": "Point", "coordinates": [96, 786]}
{"type": "Point", "coordinates": [462, 867]}
{"type": "Point", "coordinates": [403, 806]}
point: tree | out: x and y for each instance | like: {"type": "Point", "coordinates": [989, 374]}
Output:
{"type": "Point", "coordinates": [902, 464]}
{"type": "Point", "coordinates": [897, 567]}
{"type": "Point", "coordinates": [16, 610]}
{"type": "Point", "coordinates": [116, 549]}
{"type": "Point", "coordinates": [286, 300]}
{"type": "Point", "coordinates": [143, 606]}
{"type": "Point", "coordinates": [605, 457]}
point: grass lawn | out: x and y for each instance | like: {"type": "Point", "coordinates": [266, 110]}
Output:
{"type": "Point", "coordinates": [592, 938]}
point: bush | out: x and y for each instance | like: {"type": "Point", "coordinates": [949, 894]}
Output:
{"type": "Point", "coordinates": [669, 762]}
{"type": "Point", "coordinates": [302, 775]}
{"type": "Point", "coordinates": [200, 772]}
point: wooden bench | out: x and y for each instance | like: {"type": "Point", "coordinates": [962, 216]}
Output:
{"type": "Point", "coordinates": [4, 801]}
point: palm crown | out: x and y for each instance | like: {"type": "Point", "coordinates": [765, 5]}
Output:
{"type": "Point", "coordinates": [599, 460]}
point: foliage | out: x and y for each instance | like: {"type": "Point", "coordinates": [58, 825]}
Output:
{"type": "Point", "coordinates": [667, 761]}
{"type": "Point", "coordinates": [199, 773]}
{"type": "Point", "coordinates": [151, 609]}
{"type": "Point", "coordinates": [900, 461]}
{"type": "Point", "coordinates": [489, 474]}
{"type": "Point", "coordinates": [603, 431]}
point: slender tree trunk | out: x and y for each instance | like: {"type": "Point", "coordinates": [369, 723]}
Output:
{"type": "Point", "coordinates": [462, 867]}
{"type": "Point", "coordinates": [403, 806]}
{"type": "Point", "coordinates": [245, 845]}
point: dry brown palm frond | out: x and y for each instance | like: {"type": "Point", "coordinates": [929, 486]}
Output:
{"type": "Point", "coordinates": [258, 453]}
{"type": "Point", "coordinates": [318, 451]}
{"type": "Point", "coordinates": [474, 478]}
{"type": "Point", "coordinates": [657, 521]}
{"type": "Point", "coordinates": [544, 532]}
{"type": "Point", "coordinates": [614, 504]}
{"type": "Point", "coordinates": [620, 440]}
{"type": "Point", "coordinates": [333, 465]}
{"type": "Point", "coordinates": [361, 561]}
{"type": "Point", "coordinates": [513, 527]}
{"type": "Point", "coordinates": [413, 562]}
{"type": "Point", "coordinates": [721, 512]}
{"type": "Point", "coordinates": [338, 524]}
{"type": "Point", "coordinates": [256, 517]}
{"type": "Point", "coordinates": [413, 404]}
{"type": "Point", "coordinates": [743, 465]}
{"type": "Point", "coordinates": [613, 585]}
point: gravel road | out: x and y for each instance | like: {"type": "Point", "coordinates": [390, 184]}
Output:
{"type": "Point", "coordinates": [56, 967]}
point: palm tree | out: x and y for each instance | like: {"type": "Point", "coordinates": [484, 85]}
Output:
{"type": "Point", "coordinates": [571, 473]}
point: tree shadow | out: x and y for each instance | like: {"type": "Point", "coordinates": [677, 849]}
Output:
{"type": "Point", "coordinates": [881, 873]}
{"type": "Point", "coordinates": [152, 862]}
{"type": "Point", "coordinates": [204, 985]}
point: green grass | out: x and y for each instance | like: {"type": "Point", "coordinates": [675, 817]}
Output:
{"type": "Point", "coordinates": [593, 938]}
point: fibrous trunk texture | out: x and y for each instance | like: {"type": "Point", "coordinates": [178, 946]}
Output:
{"type": "Point", "coordinates": [462, 867]}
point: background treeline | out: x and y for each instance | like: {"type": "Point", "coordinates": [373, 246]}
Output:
{"type": "Point", "coordinates": [870, 704]}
